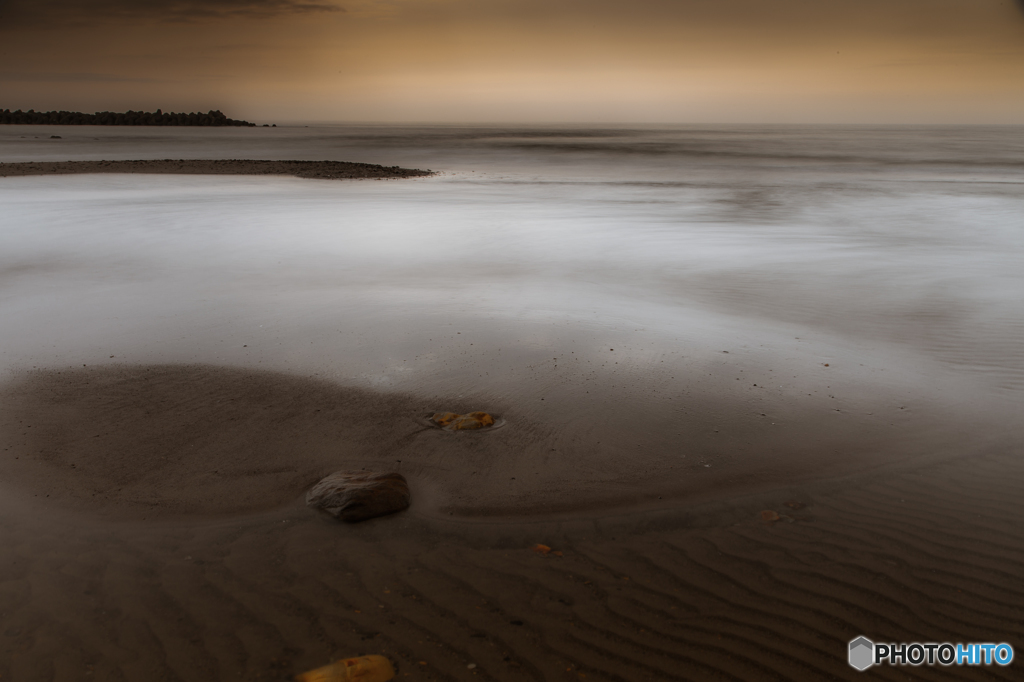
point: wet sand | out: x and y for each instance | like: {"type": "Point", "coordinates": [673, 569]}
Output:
{"type": "Point", "coordinates": [156, 441]}
{"type": "Point", "coordinates": [323, 170]}
{"type": "Point", "coordinates": [154, 529]}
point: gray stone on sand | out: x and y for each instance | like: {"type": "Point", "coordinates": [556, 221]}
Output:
{"type": "Point", "coordinates": [359, 495]}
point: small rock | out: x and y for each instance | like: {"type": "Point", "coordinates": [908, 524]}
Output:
{"type": "Point", "coordinates": [462, 422]}
{"type": "Point", "coordinates": [370, 668]}
{"type": "Point", "coordinates": [768, 515]}
{"type": "Point", "coordinates": [55, 137]}
{"type": "Point", "coordinates": [359, 495]}
{"type": "Point", "coordinates": [473, 420]}
{"type": "Point", "coordinates": [443, 419]}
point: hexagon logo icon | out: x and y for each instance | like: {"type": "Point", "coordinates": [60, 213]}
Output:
{"type": "Point", "coordinates": [862, 653]}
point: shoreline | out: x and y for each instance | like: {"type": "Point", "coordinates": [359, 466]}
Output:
{"type": "Point", "coordinates": [321, 170]}
{"type": "Point", "coordinates": [199, 440]}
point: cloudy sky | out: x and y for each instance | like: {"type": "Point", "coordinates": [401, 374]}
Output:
{"type": "Point", "coordinates": [521, 60]}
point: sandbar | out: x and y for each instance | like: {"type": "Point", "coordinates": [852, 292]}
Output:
{"type": "Point", "coordinates": [322, 170]}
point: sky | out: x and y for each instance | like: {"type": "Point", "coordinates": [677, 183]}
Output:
{"type": "Point", "coordinates": [530, 61]}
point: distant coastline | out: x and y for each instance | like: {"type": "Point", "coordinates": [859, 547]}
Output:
{"type": "Point", "coordinates": [129, 118]}
{"type": "Point", "coordinates": [325, 170]}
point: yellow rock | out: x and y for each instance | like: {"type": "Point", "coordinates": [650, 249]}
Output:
{"type": "Point", "coordinates": [364, 669]}
{"type": "Point", "coordinates": [462, 422]}
{"type": "Point", "coordinates": [473, 420]}
{"type": "Point", "coordinates": [444, 418]}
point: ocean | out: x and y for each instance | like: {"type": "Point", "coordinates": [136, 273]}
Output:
{"type": "Point", "coordinates": [698, 279]}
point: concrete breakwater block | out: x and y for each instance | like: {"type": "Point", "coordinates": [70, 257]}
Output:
{"type": "Point", "coordinates": [359, 495]}
{"type": "Point", "coordinates": [462, 422]}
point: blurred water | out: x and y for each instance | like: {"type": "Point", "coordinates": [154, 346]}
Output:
{"type": "Point", "coordinates": [899, 248]}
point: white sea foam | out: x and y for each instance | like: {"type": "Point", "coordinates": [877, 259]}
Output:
{"type": "Point", "coordinates": [897, 248]}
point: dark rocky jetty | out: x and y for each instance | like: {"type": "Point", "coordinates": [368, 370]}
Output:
{"type": "Point", "coordinates": [323, 170]}
{"type": "Point", "coordinates": [110, 118]}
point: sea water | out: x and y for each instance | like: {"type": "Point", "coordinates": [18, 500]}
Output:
{"type": "Point", "coordinates": [646, 264]}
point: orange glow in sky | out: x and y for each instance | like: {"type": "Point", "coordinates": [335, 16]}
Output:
{"type": "Point", "coordinates": [925, 61]}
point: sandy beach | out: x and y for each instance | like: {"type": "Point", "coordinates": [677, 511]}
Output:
{"type": "Point", "coordinates": [736, 472]}
{"type": "Point", "coordinates": [155, 529]}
